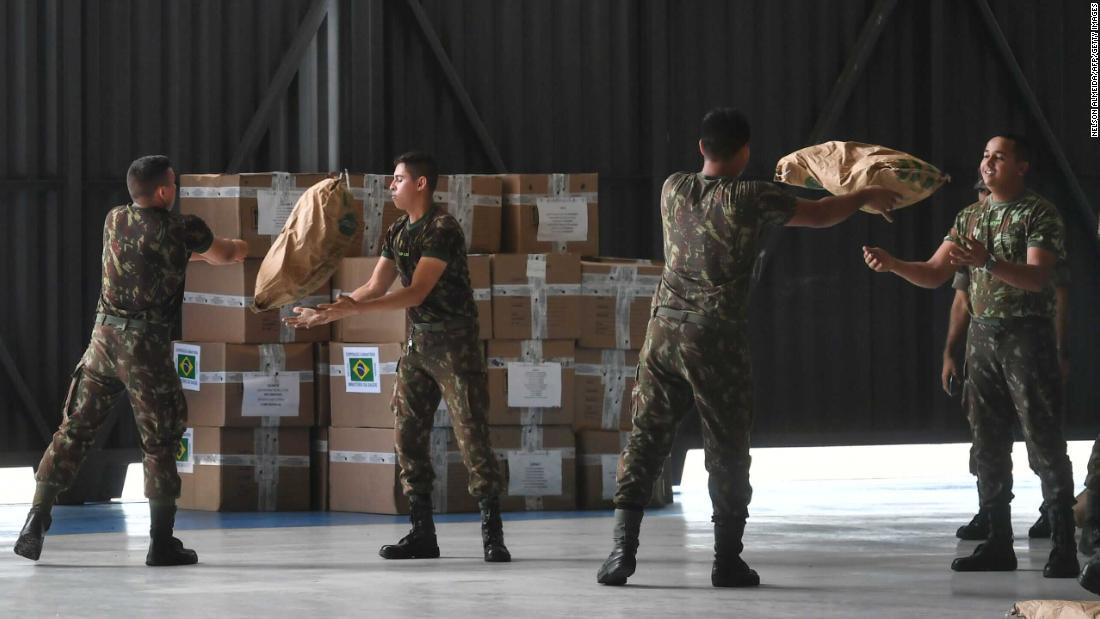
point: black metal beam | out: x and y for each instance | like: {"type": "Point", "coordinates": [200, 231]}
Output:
{"type": "Point", "coordinates": [257, 127]}
{"type": "Point", "coordinates": [457, 88]}
{"type": "Point", "coordinates": [34, 412]}
{"type": "Point", "coordinates": [72, 200]}
{"type": "Point", "coordinates": [1081, 201]}
{"type": "Point", "coordinates": [658, 49]}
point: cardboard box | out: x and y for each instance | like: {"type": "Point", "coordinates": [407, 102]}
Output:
{"type": "Point", "coordinates": [551, 213]}
{"type": "Point", "coordinates": [538, 464]}
{"type": "Point", "coordinates": [364, 474]}
{"type": "Point", "coordinates": [603, 385]}
{"type": "Point", "coordinates": [322, 401]}
{"type": "Point", "coordinates": [481, 280]}
{"type": "Point", "coordinates": [598, 465]}
{"type": "Point", "coordinates": [243, 469]}
{"type": "Point", "coordinates": [246, 385]}
{"type": "Point", "coordinates": [318, 469]}
{"type": "Point", "coordinates": [509, 360]}
{"type": "Point", "coordinates": [252, 207]}
{"type": "Point", "coordinates": [616, 299]}
{"type": "Point", "coordinates": [536, 296]}
{"type": "Point", "coordinates": [215, 308]}
{"type": "Point", "coordinates": [387, 326]}
{"type": "Point", "coordinates": [362, 403]}
{"type": "Point", "coordinates": [474, 200]}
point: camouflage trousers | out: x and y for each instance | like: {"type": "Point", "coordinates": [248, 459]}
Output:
{"type": "Point", "coordinates": [1012, 371]}
{"type": "Point", "coordinates": [684, 366]}
{"type": "Point", "coordinates": [116, 361]}
{"type": "Point", "coordinates": [451, 365]}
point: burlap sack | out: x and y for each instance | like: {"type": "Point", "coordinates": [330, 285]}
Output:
{"type": "Point", "coordinates": [314, 239]}
{"type": "Point", "coordinates": [1055, 609]}
{"type": "Point", "coordinates": [843, 167]}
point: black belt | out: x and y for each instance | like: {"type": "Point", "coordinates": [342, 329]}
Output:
{"type": "Point", "coordinates": [442, 326]}
{"type": "Point", "coordinates": [695, 318]}
{"type": "Point", "coordinates": [122, 324]}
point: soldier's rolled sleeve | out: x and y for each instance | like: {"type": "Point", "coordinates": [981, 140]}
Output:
{"type": "Point", "coordinates": [197, 235]}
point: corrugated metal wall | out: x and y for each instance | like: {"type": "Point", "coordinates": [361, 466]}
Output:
{"type": "Point", "coordinates": [614, 86]}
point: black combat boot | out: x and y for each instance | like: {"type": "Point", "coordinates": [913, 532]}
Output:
{"type": "Point", "coordinates": [622, 561]}
{"type": "Point", "coordinates": [164, 549]}
{"type": "Point", "coordinates": [420, 543]}
{"type": "Point", "coordinates": [1090, 528]}
{"type": "Point", "coordinates": [1063, 556]}
{"type": "Point", "coordinates": [976, 529]}
{"type": "Point", "coordinates": [1090, 575]}
{"type": "Point", "coordinates": [30, 540]}
{"type": "Point", "coordinates": [1041, 528]}
{"type": "Point", "coordinates": [492, 531]}
{"type": "Point", "coordinates": [995, 554]}
{"type": "Point", "coordinates": [729, 569]}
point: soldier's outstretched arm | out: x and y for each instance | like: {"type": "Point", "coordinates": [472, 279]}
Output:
{"type": "Point", "coordinates": [831, 210]}
{"type": "Point", "coordinates": [224, 251]}
{"type": "Point", "coordinates": [385, 273]}
{"type": "Point", "coordinates": [931, 273]}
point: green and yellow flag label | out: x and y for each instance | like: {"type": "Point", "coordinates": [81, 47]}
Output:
{"type": "Point", "coordinates": [187, 365]}
{"type": "Point", "coordinates": [361, 369]}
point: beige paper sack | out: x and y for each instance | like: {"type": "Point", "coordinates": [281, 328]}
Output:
{"type": "Point", "coordinates": [315, 237]}
{"type": "Point", "coordinates": [843, 167]}
{"type": "Point", "coordinates": [1055, 609]}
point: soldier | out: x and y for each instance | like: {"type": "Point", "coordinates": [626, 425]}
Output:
{"type": "Point", "coordinates": [696, 350]}
{"type": "Point", "coordinates": [959, 319]}
{"type": "Point", "coordinates": [1009, 244]}
{"type": "Point", "coordinates": [146, 248]}
{"type": "Point", "coordinates": [443, 355]}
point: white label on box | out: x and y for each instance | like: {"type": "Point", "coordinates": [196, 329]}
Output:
{"type": "Point", "coordinates": [534, 473]}
{"type": "Point", "coordinates": [562, 219]}
{"type": "Point", "coordinates": [536, 266]}
{"type": "Point", "coordinates": [609, 465]}
{"type": "Point", "coordinates": [361, 369]}
{"type": "Point", "coordinates": [187, 358]}
{"type": "Point", "coordinates": [534, 385]}
{"type": "Point", "coordinates": [274, 395]}
{"type": "Point", "coordinates": [275, 207]}
{"type": "Point", "coordinates": [185, 459]}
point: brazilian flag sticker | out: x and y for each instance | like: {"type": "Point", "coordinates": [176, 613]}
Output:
{"type": "Point", "coordinates": [185, 461]}
{"type": "Point", "coordinates": [187, 365]}
{"type": "Point", "coordinates": [361, 369]}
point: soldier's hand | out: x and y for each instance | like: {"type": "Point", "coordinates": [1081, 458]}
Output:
{"type": "Point", "coordinates": [970, 253]}
{"type": "Point", "coordinates": [305, 318]}
{"type": "Point", "coordinates": [240, 250]}
{"type": "Point", "coordinates": [878, 259]}
{"type": "Point", "coordinates": [949, 370]}
{"type": "Point", "coordinates": [881, 200]}
{"type": "Point", "coordinates": [342, 307]}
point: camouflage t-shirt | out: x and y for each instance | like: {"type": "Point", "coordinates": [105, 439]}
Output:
{"type": "Point", "coordinates": [436, 235]}
{"type": "Point", "coordinates": [712, 228]}
{"type": "Point", "coordinates": [1008, 229]}
{"type": "Point", "coordinates": [145, 254]}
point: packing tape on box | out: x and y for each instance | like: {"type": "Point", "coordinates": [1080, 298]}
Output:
{"type": "Point", "coordinates": [531, 438]}
{"type": "Point", "coordinates": [320, 446]}
{"type": "Point", "coordinates": [624, 284]}
{"type": "Point", "coordinates": [388, 368]}
{"type": "Point", "coordinates": [288, 333]}
{"type": "Point", "coordinates": [614, 374]}
{"type": "Point", "coordinates": [324, 369]}
{"type": "Point", "coordinates": [558, 187]}
{"type": "Point", "coordinates": [217, 300]}
{"type": "Point", "coordinates": [483, 294]}
{"type": "Point", "coordinates": [442, 417]}
{"type": "Point", "coordinates": [266, 445]}
{"type": "Point", "coordinates": [624, 439]}
{"type": "Point", "coordinates": [375, 196]}
{"type": "Point", "coordinates": [362, 457]}
{"type": "Point", "coordinates": [538, 291]}
{"type": "Point", "coordinates": [218, 192]}
{"type": "Point", "coordinates": [438, 441]}
{"type": "Point", "coordinates": [226, 378]}
{"type": "Point", "coordinates": [249, 460]}
{"type": "Point", "coordinates": [274, 205]}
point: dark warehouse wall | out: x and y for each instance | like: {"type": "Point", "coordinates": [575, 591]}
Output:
{"type": "Point", "coordinates": [841, 355]}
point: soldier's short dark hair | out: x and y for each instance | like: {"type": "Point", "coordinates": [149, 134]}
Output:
{"type": "Point", "coordinates": [146, 174]}
{"type": "Point", "coordinates": [420, 163]}
{"type": "Point", "coordinates": [725, 130]}
{"type": "Point", "coordinates": [1021, 146]}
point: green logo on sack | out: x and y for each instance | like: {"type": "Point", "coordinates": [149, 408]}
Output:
{"type": "Point", "coordinates": [361, 368]}
{"type": "Point", "coordinates": [185, 366]}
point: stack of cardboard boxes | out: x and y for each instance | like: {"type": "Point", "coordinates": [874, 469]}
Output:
{"type": "Point", "coordinates": [561, 335]}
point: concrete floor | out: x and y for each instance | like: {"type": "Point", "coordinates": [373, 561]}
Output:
{"type": "Point", "coordinates": [840, 548]}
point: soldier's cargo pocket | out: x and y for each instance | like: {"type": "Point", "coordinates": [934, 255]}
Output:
{"type": "Point", "coordinates": [78, 372]}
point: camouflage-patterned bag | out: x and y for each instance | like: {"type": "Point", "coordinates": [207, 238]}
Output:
{"type": "Point", "coordinates": [318, 233]}
{"type": "Point", "coordinates": [844, 167]}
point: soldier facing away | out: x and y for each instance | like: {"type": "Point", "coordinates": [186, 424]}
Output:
{"type": "Point", "coordinates": [1010, 245]}
{"type": "Point", "coordinates": [443, 356]}
{"type": "Point", "coordinates": [696, 351]}
{"type": "Point", "coordinates": [146, 248]}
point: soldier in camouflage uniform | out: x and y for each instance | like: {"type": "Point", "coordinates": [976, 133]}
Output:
{"type": "Point", "coordinates": [696, 352]}
{"type": "Point", "coordinates": [959, 320]}
{"type": "Point", "coordinates": [443, 356]}
{"type": "Point", "coordinates": [146, 247]}
{"type": "Point", "coordinates": [1010, 244]}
